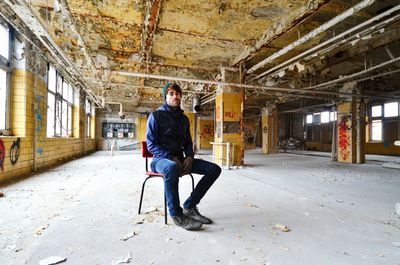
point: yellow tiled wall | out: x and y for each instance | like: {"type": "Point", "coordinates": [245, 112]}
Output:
{"type": "Point", "coordinates": [28, 122]}
{"type": "Point", "coordinates": [142, 125]}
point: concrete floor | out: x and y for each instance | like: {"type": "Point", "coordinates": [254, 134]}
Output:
{"type": "Point", "coordinates": [337, 214]}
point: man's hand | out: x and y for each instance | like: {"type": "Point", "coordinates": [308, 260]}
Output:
{"type": "Point", "coordinates": [187, 165]}
{"type": "Point", "coordinates": [177, 161]}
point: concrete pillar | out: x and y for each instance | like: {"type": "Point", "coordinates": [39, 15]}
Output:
{"type": "Point", "coordinates": [351, 128]}
{"type": "Point", "coordinates": [351, 132]}
{"type": "Point", "coordinates": [229, 106]}
{"type": "Point", "coordinates": [361, 137]}
{"type": "Point", "coordinates": [270, 130]}
{"type": "Point", "coordinates": [347, 132]}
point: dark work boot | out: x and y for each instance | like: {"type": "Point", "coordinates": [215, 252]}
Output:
{"type": "Point", "coordinates": [194, 213]}
{"type": "Point", "coordinates": [187, 222]}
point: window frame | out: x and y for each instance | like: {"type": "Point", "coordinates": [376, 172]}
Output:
{"type": "Point", "coordinates": [7, 66]}
{"type": "Point", "coordinates": [89, 111]}
{"type": "Point", "coordinates": [382, 119]}
{"type": "Point", "coordinates": [59, 103]}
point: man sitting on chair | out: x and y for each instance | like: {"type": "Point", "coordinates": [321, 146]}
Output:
{"type": "Point", "coordinates": [168, 139]}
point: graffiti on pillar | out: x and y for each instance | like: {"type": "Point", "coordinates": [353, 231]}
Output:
{"type": "Point", "coordinates": [208, 132]}
{"type": "Point", "coordinates": [2, 155]}
{"type": "Point", "coordinates": [344, 129]}
{"type": "Point", "coordinates": [39, 124]}
{"type": "Point", "coordinates": [230, 114]}
{"type": "Point", "coordinates": [218, 114]}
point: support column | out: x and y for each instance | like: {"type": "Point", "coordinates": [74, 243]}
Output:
{"type": "Point", "coordinates": [361, 137]}
{"type": "Point", "coordinates": [351, 128]}
{"type": "Point", "coordinates": [347, 132]}
{"type": "Point", "coordinates": [229, 132]}
{"type": "Point", "coordinates": [270, 130]}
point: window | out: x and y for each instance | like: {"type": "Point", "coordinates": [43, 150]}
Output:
{"type": "Point", "coordinates": [309, 119]}
{"type": "Point", "coordinates": [89, 118]}
{"type": "Point", "coordinates": [3, 99]}
{"type": "Point", "coordinates": [376, 111]}
{"type": "Point", "coordinates": [5, 70]}
{"type": "Point", "coordinates": [5, 41]}
{"type": "Point", "coordinates": [333, 116]}
{"type": "Point", "coordinates": [376, 130]}
{"type": "Point", "coordinates": [60, 95]}
{"type": "Point", "coordinates": [391, 109]}
{"type": "Point", "coordinates": [325, 117]}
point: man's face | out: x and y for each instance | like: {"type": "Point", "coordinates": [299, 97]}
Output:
{"type": "Point", "coordinates": [173, 98]}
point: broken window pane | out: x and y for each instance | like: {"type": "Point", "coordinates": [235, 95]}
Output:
{"type": "Point", "coordinates": [325, 117]}
{"type": "Point", "coordinates": [309, 119]}
{"type": "Point", "coordinates": [391, 109]}
{"type": "Point", "coordinates": [376, 134]}
{"type": "Point", "coordinates": [376, 111]}
{"type": "Point", "coordinates": [50, 114]}
{"type": "Point", "coordinates": [3, 97]}
{"type": "Point", "coordinates": [5, 42]}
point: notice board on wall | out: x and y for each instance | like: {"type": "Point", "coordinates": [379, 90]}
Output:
{"type": "Point", "coordinates": [118, 130]}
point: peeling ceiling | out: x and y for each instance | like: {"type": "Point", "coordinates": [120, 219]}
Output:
{"type": "Point", "coordinates": [193, 39]}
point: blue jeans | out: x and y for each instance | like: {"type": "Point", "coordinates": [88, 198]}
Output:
{"type": "Point", "coordinates": [172, 173]}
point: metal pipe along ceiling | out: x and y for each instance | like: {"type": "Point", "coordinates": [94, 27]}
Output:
{"type": "Point", "coordinates": [312, 34]}
{"type": "Point", "coordinates": [336, 40]}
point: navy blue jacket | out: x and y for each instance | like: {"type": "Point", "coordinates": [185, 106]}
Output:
{"type": "Point", "coordinates": [168, 133]}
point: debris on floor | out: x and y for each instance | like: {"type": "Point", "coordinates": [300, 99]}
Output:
{"type": "Point", "coordinates": [52, 260]}
{"type": "Point", "coordinates": [40, 230]}
{"type": "Point", "coordinates": [151, 209]}
{"type": "Point", "coordinates": [64, 218]}
{"type": "Point", "coordinates": [396, 244]}
{"type": "Point", "coordinates": [251, 205]}
{"type": "Point", "coordinates": [282, 227]}
{"type": "Point", "coordinates": [127, 236]}
{"type": "Point", "coordinates": [1, 194]}
{"type": "Point", "coordinates": [397, 207]}
{"type": "Point", "coordinates": [126, 259]}
{"type": "Point", "coordinates": [10, 248]}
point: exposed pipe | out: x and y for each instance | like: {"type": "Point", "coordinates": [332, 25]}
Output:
{"type": "Point", "coordinates": [312, 34]}
{"type": "Point", "coordinates": [356, 74]}
{"type": "Point", "coordinates": [264, 88]}
{"type": "Point", "coordinates": [308, 107]}
{"type": "Point", "coordinates": [309, 51]}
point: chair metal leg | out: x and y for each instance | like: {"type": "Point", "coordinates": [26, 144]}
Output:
{"type": "Point", "coordinates": [141, 194]}
{"type": "Point", "coordinates": [165, 208]}
{"type": "Point", "coordinates": [192, 181]}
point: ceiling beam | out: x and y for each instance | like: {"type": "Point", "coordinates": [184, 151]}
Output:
{"type": "Point", "coordinates": [264, 88]}
{"type": "Point", "coordinates": [312, 34]}
{"type": "Point", "coordinates": [338, 40]}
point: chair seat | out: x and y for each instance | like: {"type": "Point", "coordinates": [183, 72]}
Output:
{"type": "Point", "coordinates": [149, 173]}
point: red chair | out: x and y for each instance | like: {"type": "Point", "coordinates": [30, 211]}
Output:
{"type": "Point", "coordinates": [149, 174]}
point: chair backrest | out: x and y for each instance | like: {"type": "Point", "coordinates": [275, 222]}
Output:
{"type": "Point", "coordinates": [145, 151]}
{"type": "Point", "coordinates": [146, 154]}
